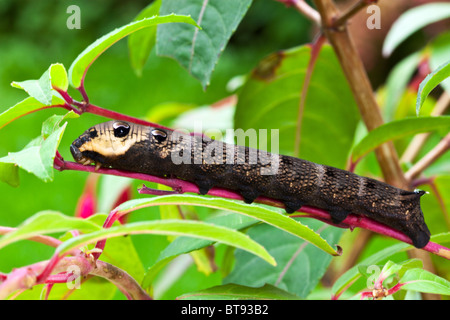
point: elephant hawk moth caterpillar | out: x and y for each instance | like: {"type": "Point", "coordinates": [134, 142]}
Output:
{"type": "Point", "coordinates": [252, 173]}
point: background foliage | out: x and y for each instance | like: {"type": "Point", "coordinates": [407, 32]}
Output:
{"type": "Point", "coordinates": [33, 36]}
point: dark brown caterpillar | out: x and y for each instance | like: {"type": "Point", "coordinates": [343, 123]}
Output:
{"type": "Point", "coordinates": [252, 173]}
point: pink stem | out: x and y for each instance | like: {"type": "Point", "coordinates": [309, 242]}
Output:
{"type": "Point", "coordinates": [119, 116]}
{"type": "Point", "coordinates": [112, 217]}
{"type": "Point", "coordinates": [85, 106]}
{"type": "Point", "coordinates": [48, 288]}
{"type": "Point", "coordinates": [181, 186]}
{"type": "Point", "coordinates": [42, 277]}
{"type": "Point", "coordinates": [62, 277]}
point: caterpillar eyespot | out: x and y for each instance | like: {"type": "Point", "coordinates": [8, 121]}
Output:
{"type": "Point", "coordinates": [295, 182]}
{"type": "Point", "coordinates": [121, 129]}
{"type": "Point", "coordinates": [159, 135]}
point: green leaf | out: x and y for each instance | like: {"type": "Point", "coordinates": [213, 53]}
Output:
{"type": "Point", "coordinates": [141, 43]}
{"type": "Point", "coordinates": [413, 20]}
{"type": "Point", "coordinates": [439, 50]}
{"type": "Point", "coordinates": [430, 82]}
{"type": "Point", "coordinates": [238, 292]}
{"type": "Point", "coordinates": [398, 129]}
{"type": "Point", "coordinates": [300, 266]}
{"type": "Point", "coordinates": [388, 272]}
{"type": "Point", "coordinates": [425, 281]}
{"type": "Point", "coordinates": [58, 76]}
{"type": "Point", "coordinates": [268, 215]}
{"type": "Point", "coordinates": [20, 109]}
{"type": "Point", "coordinates": [42, 95]}
{"type": "Point", "coordinates": [397, 82]}
{"type": "Point", "coordinates": [53, 123]}
{"type": "Point", "coordinates": [271, 96]}
{"type": "Point", "coordinates": [46, 222]}
{"type": "Point", "coordinates": [79, 67]}
{"type": "Point", "coordinates": [269, 99]}
{"type": "Point", "coordinates": [9, 173]}
{"type": "Point", "coordinates": [37, 157]}
{"type": "Point", "coordinates": [42, 89]}
{"type": "Point", "coordinates": [173, 227]}
{"type": "Point", "coordinates": [392, 268]}
{"type": "Point", "coordinates": [198, 50]}
{"type": "Point", "coordinates": [183, 245]}
{"type": "Point", "coordinates": [353, 274]}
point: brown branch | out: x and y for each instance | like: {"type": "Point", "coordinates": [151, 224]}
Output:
{"type": "Point", "coordinates": [354, 9]}
{"type": "Point", "coordinates": [442, 147]}
{"type": "Point", "coordinates": [26, 277]}
{"type": "Point", "coordinates": [335, 29]}
{"type": "Point", "coordinates": [361, 87]}
{"type": "Point", "coordinates": [120, 279]}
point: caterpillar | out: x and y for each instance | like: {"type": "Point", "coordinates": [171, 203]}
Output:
{"type": "Point", "coordinates": [252, 173]}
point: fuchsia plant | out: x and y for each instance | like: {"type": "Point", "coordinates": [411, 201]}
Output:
{"type": "Point", "coordinates": [25, 277]}
{"type": "Point", "coordinates": [88, 261]}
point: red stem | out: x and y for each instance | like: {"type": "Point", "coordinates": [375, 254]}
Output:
{"type": "Point", "coordinates": [112, 217]}
{"type": "Point", "coordinates": [181, 186]}
{"type": "Point", "coordinates": [48, 269]}
{"type": "Point", "coordinates": [118, 116]}
{"type": "Point", "coordinates": [62, 277]}
{"type": "Point", "coordinates": [81, 88]}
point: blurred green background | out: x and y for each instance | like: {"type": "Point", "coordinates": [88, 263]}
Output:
{"type": "Point", "coordinates": [33, 35]}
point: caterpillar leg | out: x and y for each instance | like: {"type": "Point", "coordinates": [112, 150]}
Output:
{"type": "Point", "coordinates": [292, 206]}
{"type": "Point", "coordinates": [338, 215]}
{"type": "Point", "coordinates": [204, 186]}
{"type": "Point", "coordinates": [249, 195]}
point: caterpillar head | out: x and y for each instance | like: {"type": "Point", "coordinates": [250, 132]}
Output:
{"type": "Point", "coordinates": [105, 141]}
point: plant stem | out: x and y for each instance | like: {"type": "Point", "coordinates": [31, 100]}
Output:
{"type": "Point", "coordinates": [85, 106]}
{"type": "Point", "coordinates": [20, 278]}
{"type": "Point", "coordinates": [120, 279]}
{"type": "Point", "coordinates": [28, 276]}
{"type": "Point", "coordinates": [362, 90]}
{"type": "Point", "coordinates": [182, 186]}
{"type": "Point", "coordinates": [50, 241]}
{"type": "Point", "coordinates": [442, 147]}
{"type": "Point", "coordinates": [354, 9]}
{"type": "Point", "coordinates": [82, 89]}
{"type": "Point", "coordinates": [117, 116]}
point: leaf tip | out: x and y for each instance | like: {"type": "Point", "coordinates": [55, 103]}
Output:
{"type": "Point", "coordinates": [339, 251]}
{"type": "Point", "coordinates": [14, 84]}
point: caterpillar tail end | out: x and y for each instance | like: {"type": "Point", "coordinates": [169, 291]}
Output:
{"type": "Point", "coordinates": [419, 235]}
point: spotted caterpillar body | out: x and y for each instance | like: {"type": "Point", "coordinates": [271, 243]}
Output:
{"type": "Point", "coordinates": [209, 163]}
